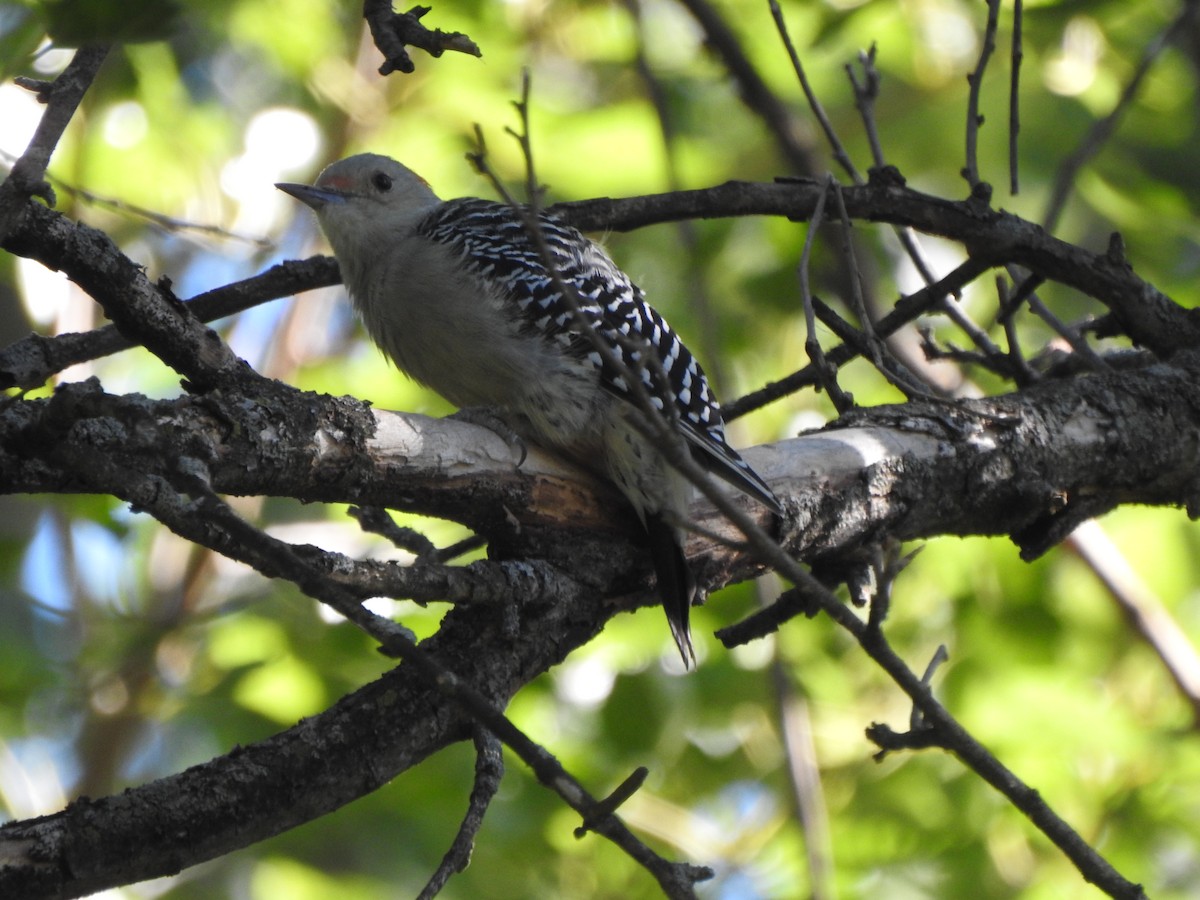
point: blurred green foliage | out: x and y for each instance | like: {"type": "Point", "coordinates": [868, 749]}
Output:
{"type": "Point", "coordinates": [127, 654]}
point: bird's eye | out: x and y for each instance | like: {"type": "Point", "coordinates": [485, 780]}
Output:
{"type": "Point", "coordinates": [382, 181]}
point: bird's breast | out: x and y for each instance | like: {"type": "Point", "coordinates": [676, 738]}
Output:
{"type": "Point", "coordinates": [458, 335]}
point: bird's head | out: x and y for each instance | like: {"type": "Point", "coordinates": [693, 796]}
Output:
{"type": "Point", "coordinates": [361, 199]}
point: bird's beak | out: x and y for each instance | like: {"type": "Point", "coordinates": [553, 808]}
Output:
{"type": "Point", "coordinates": [313, 197]}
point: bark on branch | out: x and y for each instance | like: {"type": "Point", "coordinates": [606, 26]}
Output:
{"type": "Point", "coordinates": [1026, 464]}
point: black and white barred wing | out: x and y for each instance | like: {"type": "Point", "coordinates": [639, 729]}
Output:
{"type": "Point", "coordinates": [495, 245]}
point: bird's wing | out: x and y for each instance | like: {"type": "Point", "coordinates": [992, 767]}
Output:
{"type": "Point", "coordinates": [496, 245]}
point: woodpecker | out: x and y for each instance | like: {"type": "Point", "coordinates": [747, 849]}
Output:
{"type": "Point", "coordinates": [457, 294]}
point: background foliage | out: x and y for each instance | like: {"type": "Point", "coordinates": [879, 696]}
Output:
{"type": "Point", "coordinates": [127, 654]}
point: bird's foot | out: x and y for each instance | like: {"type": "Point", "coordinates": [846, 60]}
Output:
{"type": "Point", "coordinates": [487, 417]}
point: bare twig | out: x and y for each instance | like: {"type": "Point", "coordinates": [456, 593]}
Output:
{"type": "Point", "coordinates": [489, 767]}
{"type": "Point", "coordinates": [804, 776]}
{"type": "Point", "coordinates": [1014, 97]}
{"type": "Point", "coordinates": [1068, 172]}
{"type": "Point", "coordinates": [864, 344]}
{"type": "Point", "coordinates": [781, 122]}
{"type": "Point", "coordinates": [376, 520]}
{"type": "Point", "coordinates": [979, 337]}
{"type": "Point", "coordinates": [941, 655]}
{"type": "Point", "coordinates": [160, 220]}
{"type": "Point", "coordinates": [615, 800]}
{"type": "Point", "coordinates": [856, 294]}
{"type": "Point", "coordinates": [835, 143]}
{"type": "Point", "coordinates": [1142, 608]}
{"type": "Point", "coordinates": [940, 729]}
{"type": "Point", "coordinates": [971, 170]}
{"type": "Point", "coordinates": [866, 93]}
{"type": "Point", "coordinates": [1026, 286]}
{"type": "Point", "coordinates": [1068, 333]}
{"type": "Point", "coordinates": [31, 361]}
{"type": "Point", "coordinates": [62, 98]}
{"type": "Point", "coordinates": [871, 345]}
{"type": "Point", "coordinates": [906, 310]}
{"type": "Point", "coordinates": [1020, 371]}
{"type": "Point", "coordinates": [826, 374]}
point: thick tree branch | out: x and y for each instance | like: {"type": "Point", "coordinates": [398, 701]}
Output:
{"type": "Point", "coordinates": [991, 237]}
{"type": "Point", "coordinates": [1025, 464]}
{"type": "Point", "coordinates": [1020, 464]}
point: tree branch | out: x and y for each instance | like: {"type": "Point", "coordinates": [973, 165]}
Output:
{"type": "Point", "coordinates": [1012, 464]}
{"type": "Point", "coordinates": [990, 237]}
{"type": "Point", "coordinates": [146, 313]}
{"type": "Point", "coordinates": [62, 97]}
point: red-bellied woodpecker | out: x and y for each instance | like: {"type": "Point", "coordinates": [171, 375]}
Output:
{"type": "Point", "coordinates": [458, 295]}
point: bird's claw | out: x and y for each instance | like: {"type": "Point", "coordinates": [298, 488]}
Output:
{"type": "Point", "coordinates": [486, 417]}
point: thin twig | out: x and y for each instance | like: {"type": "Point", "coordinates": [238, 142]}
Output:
{"type": "Point", "coordinates": [1025, 288]}
{"type": "Point", "coordinates": [804, 775]}
{"type": "Point", "coordinates": [1022, 374]}
{"type": "Point", "coordinates": [835, 143]}
{"type": "Point", "coordinates": [1071, 335]}
{"type": "Point", "coordinates": [905, 310]}
{"type": "Point", "coordinates": [1145, 612]}
{"type": "Point", "coordinates": [615, 800]}
{"type": "Point", "coordinates": [949, 733]}
{"type": "Point", "coordinates": [62, 97]}
{"type": "Point", "coordinates": [160, 220]}
{"type": "Point", "coordinates": [466, 545]}
{"type": "Point", "coordinates": [489, 767]}
{"type": "Point", "coordinates": [944, 731]}
{"type": "Point", "coordinates": [917, 720]}
{"type": "Point", "coordinates": [865, 95]}
{"type": "Point", "coordinates": [781, 122]}
{"type": "Point", "coordinates": [533, 189]}
{"type": "Point", "coordinates": [979, 337]}
{"type": "Point", "coordinates": [826, 374]}
{"type": "Point", "coordinates": [970, 358]}
{"type": "Point", "coordinates": [1014, 98]}
{"type": "Point", "coordinates": [376, 520]}
{"type": "Point", "coordinates": [874, 351]}
{"type": "Point", "coordinates": [971, 170]}
{"type": "Point", "coordinates": [886, 364]}
{"type": "Point", "coordinates": [1068, 173]}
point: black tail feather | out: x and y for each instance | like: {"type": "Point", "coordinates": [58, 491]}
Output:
{"type": "Point", "coordinates": [676, 586]}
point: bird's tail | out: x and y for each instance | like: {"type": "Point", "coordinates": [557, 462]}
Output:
{"type": "Point", "coordinates": [676, 585]}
